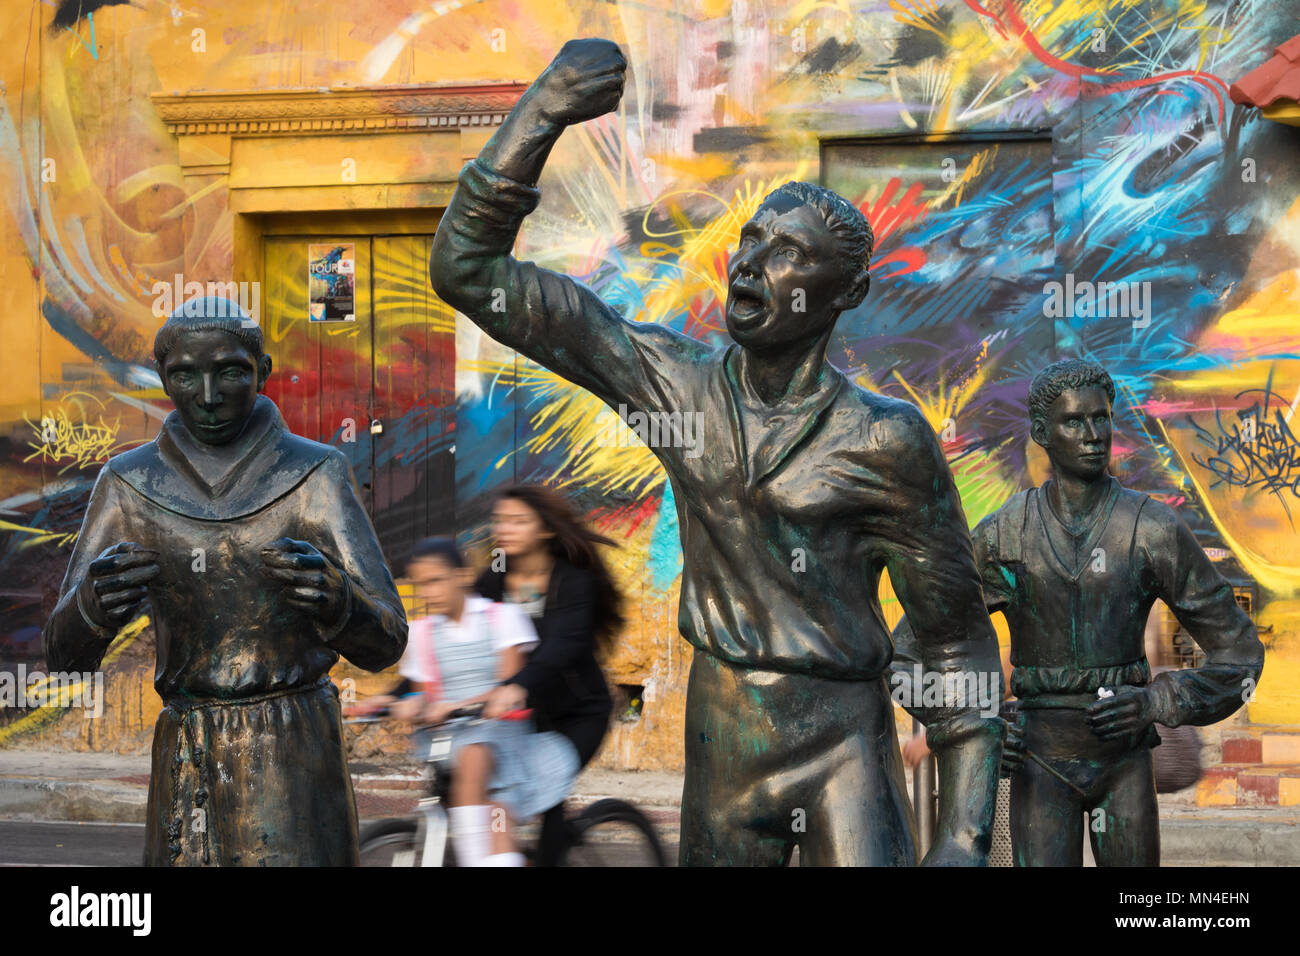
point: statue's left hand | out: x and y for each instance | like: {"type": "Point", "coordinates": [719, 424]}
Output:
{"type": "Point", "coordinates": [1130, 711]}
{"type": "Point", "coordinates": [311, 582]}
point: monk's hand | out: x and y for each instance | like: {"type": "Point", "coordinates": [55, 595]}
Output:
{"type": "Point", "coordinates": [310, 580]}
{"type": "Point", "coordinates": [116, 585]}
{"type": "Point", "coordinates": [1127, 713]}
{"type": "Point", "coordinates": [585, 80]}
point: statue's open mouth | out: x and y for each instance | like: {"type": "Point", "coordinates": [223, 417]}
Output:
{"type": "Point", "coordinates": [745, 304]}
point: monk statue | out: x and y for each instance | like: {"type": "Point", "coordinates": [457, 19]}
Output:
{"type": "Point", "coordinates": [1075, 566]}
{"type": "Point", "coordinates": [257, 565]}
{"type": "Point", "coordinates": [800, 491]}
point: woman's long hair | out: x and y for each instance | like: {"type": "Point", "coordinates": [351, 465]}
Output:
{"type": "Point", "coordinates": [576, 543]}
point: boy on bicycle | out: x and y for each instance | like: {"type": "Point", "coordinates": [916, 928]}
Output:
{"type": "Point", "coordinates": [503, 771]}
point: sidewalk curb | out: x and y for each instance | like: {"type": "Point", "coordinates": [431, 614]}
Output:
{"type": "Point", "coordinates": [94, 801]}
{"type": "Point", "coordinates": [1188, 836]}
{"type": "Point", "coordinates": [124, 799]}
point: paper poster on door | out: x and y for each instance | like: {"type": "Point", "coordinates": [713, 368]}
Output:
{"type": "Point", "coordinates": [331, 271]}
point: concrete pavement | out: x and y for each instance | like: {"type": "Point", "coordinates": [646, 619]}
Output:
{"type": "Point", "coordinates": [58, 785]}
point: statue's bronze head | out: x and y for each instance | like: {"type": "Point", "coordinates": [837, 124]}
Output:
{"type": "Point", "coordinates": [801, 261]}
{"type": "Point", "coordinates": [1070, 417]}
{"type": "Point", "coordinates": [209, 355]}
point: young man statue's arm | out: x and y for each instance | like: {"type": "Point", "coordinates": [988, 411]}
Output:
{"type": "Point", "coordinates": [550, 318]}
{"type": "Point", "coordinates": [932, 570]}
{"type": "Point", "coordinates": [1204, 603]}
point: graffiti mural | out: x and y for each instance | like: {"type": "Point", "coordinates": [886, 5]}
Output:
{"type": "Point", "coordinates": [1045, 179]}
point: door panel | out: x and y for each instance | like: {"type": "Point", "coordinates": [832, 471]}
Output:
{"type": "Point", "coordinates": [322, 371]}
{"type": "Point", "coordinates": [414, 389]}
{"type": "Point", "coordinates": [395, 365]}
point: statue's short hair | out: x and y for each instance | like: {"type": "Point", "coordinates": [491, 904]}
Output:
{"type": "Point", "coordinates": [1062, 376]}
{"type": "Point", "coordinates": [208, 314]}
{"type": "Point", "coordinates": [845, 221]}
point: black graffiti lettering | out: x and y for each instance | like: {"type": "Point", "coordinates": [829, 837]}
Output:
{"type": "Point", "coordinates": [1259, 454]}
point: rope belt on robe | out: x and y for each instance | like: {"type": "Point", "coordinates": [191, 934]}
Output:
{"type": "Point", "coordinates": [187, 708]}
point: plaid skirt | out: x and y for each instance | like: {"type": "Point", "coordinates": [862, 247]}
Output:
{"type": "Point", "coordinates": [531, 771]}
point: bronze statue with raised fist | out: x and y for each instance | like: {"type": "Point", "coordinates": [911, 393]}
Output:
{"type": "Point", "coordinates": [808, 488]}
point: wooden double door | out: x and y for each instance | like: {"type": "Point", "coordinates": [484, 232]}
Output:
{"type": "Point", "coordinates": [380, 386]}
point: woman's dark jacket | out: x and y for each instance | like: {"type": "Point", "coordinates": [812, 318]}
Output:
{"type": "Point", "coordinates": [564, 683]}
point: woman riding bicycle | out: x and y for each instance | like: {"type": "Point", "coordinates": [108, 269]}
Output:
{"type": "Point", "coordinates": [552, 570]}
{"type": "Point", "coordinates": [502, 771]}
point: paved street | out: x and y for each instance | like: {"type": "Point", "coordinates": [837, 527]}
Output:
{"type": "Point", "coordinates": [24, 843]}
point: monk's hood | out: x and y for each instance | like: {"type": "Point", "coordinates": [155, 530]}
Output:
{"type": "Point", "coordinates": [221, 482]}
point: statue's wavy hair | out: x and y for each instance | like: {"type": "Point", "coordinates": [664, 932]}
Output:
{"type": "Point", "coordinates": [1062, 376]}
{"type": "Point", "coordinates": [846, 222]}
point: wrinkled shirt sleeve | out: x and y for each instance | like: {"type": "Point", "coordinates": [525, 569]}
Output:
{"type": "Point", "coordinates": [932, 570]}
{"type": "Point", "coordinates": [551, 318]}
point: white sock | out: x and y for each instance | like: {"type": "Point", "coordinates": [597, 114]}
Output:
{"type": "Point", "coordinates": [504, 859]}
{"type": "Point", "coordinates": [471, 833]}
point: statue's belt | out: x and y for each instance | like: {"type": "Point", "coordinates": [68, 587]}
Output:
{"type": "Point", "coordinates": [1058, 702]}
{"type": "Point", "coordinates": [184, 705]}
{"type": "Point", "coordinates": [1067, 681]}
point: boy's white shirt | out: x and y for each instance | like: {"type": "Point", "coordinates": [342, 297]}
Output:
{"type": "Point", "coordinates": [510, 628]}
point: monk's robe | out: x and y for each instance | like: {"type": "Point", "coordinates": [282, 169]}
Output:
{"type": "Point", "coordinates": [249, 766]}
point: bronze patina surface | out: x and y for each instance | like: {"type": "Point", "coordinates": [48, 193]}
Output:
{"type": "Point", "coordinates": [1076, 566]}
{"type": "Point", "coordinates": [794, 490]}
{"type": "Point", "coordinates": [258, 566]}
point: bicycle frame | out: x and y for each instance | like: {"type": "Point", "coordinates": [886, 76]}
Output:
{"type": "Point", "coordinates": [432, 822]}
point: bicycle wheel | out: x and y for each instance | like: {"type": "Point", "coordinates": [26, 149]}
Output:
{"type": "Point", "coordinates": [612, 833]}
{"type": "Point", "coordinates": [389, 843]}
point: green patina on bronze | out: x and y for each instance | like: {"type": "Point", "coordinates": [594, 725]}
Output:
{"type": "Point", "coordinates": [794, 457]}
{"type": "Point", "coordinates": [1076, 566]}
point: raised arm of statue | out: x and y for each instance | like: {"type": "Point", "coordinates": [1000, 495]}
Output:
{"type": "Point", "coordinates": [554, 320]}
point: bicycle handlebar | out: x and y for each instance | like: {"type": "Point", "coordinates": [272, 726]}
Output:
{"type": "Point", "coordinates": [471, 710]}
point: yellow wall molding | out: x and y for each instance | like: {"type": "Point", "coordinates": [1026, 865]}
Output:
{"type": "Point", "coordinates": [336, 109]}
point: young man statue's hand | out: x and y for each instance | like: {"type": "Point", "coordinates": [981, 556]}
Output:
{"type": "Point", "coordinates": [1128, 712]}
{"type": "Point", "coordinates": [585, 80]}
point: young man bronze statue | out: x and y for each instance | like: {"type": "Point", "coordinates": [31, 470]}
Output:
{"type": "Point", "coordinates": [806, 489]}
{"type": "Point", "coordinates": [247, 547]}
{"type": "Point", "coordinates": [1075, 566]}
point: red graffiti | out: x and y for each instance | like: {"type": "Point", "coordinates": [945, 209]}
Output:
{"type": "Point", "coordinates": [1010, 21]}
